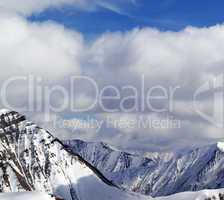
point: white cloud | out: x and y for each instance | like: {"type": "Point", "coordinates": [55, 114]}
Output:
{"type": "Point", "coordinates": [45, 49]}
{"type": "Point", "coordinates": [186, 58]}
{"type": "Point", "coordinates": [180, 57]}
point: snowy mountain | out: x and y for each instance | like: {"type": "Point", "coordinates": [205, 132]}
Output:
{"type": "Point", "coordinates": [157, 174]}
{"type": "Point", "coordinates": [31, 159]}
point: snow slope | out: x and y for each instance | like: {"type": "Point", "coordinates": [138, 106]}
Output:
{"type": "Point", "coordinates": [157, 174]}
{"type": "Point", "coordinates": [26, 196]}
{"type": "Point", "coordinates": [202, 195]}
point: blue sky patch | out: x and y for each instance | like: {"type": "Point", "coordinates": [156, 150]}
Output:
{"type": "Point", "coordinates": [162, 14]}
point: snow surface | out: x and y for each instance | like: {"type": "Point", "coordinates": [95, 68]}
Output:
{"type": "Point", "coordinates": [220, 145]}
{"type": "Point", "coordinates": [25, 196]}
{"type": "Point", "coordinates": [98, 194]}
{"type": "Point", "coordinates": [201, 195]}
{"type": "Point", "coordinates": [4, 111]}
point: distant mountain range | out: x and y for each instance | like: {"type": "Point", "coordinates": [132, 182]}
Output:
{"type": "Point", "coordinates": [158, 174]}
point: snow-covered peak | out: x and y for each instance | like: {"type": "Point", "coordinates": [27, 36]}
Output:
{"type": "Point", "coordinates": [31, 159]}
{"type": "Point", "coordinates": [4, 111]}
{"type": "Point", "coordinates": [220, 146]}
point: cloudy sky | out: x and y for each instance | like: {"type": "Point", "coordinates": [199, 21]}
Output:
{"type": "Point", "coordinates": [175, 49]}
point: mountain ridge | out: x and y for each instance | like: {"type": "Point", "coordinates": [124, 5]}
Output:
{"type": "Point", "coordinates": [32, 159]}
{"type": "Point", "coordinates": [157, 174]}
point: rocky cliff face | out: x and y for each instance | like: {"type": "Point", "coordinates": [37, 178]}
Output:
{"type": "Point", "coordinates": [158, 174]}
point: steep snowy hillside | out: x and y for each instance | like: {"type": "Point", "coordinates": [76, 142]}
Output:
{"type": "Point", "coordinates": [31, 159]}
{"type": "Point", "coordinates": [157, 175]}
